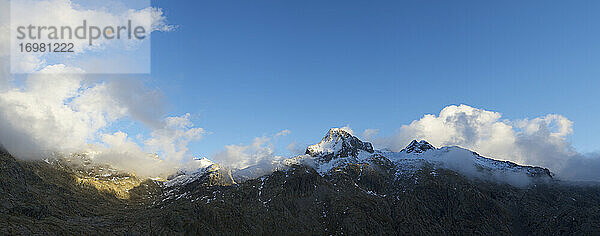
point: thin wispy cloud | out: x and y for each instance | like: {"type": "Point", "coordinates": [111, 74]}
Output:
{"type": "Point", "coordinates": [283, 133]}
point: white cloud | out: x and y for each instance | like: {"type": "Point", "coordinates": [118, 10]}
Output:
{"type": "Point", "coordinates": [540, 141]}
{"type": "Point", "coordinates": [162, 154]}
{"type": "Point", "coordinates": [159, 20]}
{"type": "Point", "coordinates": [260, 151]}
{"type": "Point", "coordinates": [63, 112]}
{"type": "Point", "coordinates": [242, 156]}
{"type": "Point", "coordinates": [66, 113]}
{"type": "Point", "coordinates": [369, 134]}
{"type": "Point", "coordinates": [295, 149]}
{"type": "Point", "coordinates": [347, 129]}
{"type": "Point", "coordinates": [123, 153]}
{"type": "Point", "coordinates": [284, 132]}
{"type": "Point", "coordinates": [40, 118]}
{"type": "Point", "coordinates": [172, 140]}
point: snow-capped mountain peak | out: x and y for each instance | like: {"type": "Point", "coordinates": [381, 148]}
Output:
{"type": "Point", "coordinates": [202, 162]}
{"type": "Point", "coordinates": [340, 148]}
{"type": "Point", "coordinates": [201, 168]}
{"type": "Point", "coordinates": [418, 147]}
{"type": "Point", "coordinates": [338, 143]}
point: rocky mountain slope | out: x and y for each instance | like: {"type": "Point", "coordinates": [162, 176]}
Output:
{"type": "Point", "coordinates": [340, 186]}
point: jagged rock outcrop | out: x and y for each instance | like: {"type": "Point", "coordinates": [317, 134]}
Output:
{"type": "Point", "coordinates": [418, 147]}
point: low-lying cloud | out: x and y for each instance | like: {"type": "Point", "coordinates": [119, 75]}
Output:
{"type": "Point", "coordinates": [67, 113]}
{"type": "Point", "coordinates": [260, 152]}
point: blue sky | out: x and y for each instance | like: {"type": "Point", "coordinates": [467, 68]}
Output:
{"type": "Point", "coordinates": [250, 68]}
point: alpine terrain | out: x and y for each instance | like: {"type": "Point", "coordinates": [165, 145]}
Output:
{"type": "Point", "coordinates": [340, 186]}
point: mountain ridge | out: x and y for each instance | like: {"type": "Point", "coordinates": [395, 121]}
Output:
{"type": "Point", "coordinates": [353, 191]}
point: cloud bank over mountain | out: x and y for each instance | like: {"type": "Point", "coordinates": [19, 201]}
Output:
{"type": "Point", "coordinates": [540, 141]}
{"type": "Point", "coordinates": [260, 152]}
{"type": "Point", "coordinates": [61, 111]}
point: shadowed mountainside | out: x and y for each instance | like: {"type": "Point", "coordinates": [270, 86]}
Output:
{"type": "Point", "coordinates": [357, 197]}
